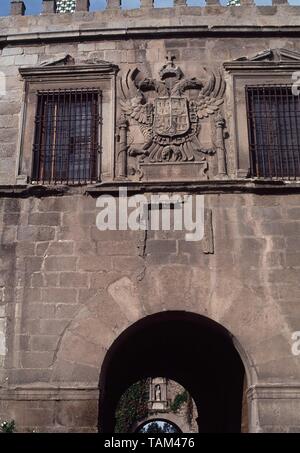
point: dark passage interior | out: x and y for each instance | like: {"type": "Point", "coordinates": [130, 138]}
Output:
{"type": "Point", "coordinates": [188, 348]}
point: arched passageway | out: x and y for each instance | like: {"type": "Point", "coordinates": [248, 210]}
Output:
{"type": "Point", "coordinates": [188, 348]}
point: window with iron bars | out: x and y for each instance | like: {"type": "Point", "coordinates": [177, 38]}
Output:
{"type": "Point", "coordinates": [67, 136]}
{"type": "Point", "coordinates": [274, 131]}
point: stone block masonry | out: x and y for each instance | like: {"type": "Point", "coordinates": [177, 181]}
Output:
{"type": "Point", "coordinates": [68, 290]}
{"type": "Point", "coordinates": [52, 285]}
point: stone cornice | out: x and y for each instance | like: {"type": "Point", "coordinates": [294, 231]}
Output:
{"type": "Point", "coordinates": [149, 32]}
{"type": "Point", "coordinates": [212, 186]}
{"type": "Point", "coordinates": [273, 66]}
{"type": "Point", "coordinates": [67, 70]}
{"type": "Point", "coordinates": [113, 23]}
{"type": "Point", "coordinates": [33, 393]}
{"type": "Point", "coordinates": [112, 187]}
{"type": "Point", "coordinates": [91, 391]}
{"type": "Point", "coordinates": [274, 391]}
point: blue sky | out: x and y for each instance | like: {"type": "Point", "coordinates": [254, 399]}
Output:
{"type": "Point", "coordinates": [34, 6]}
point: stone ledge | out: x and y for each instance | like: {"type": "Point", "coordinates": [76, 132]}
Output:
{"type": "Point", "coordinates": [31, 393]}
{"type": "Point", "coordinates": [274, 391]}
{"type": "Point", "coordinates": [90, 392]}
{"type": "Point", "coordinates": [213, 186]}
{"type": "Point", "coordinates": [73, 69]}
{"type": "Point", "coordinates": [207, 186]}
{"type": "Point", "coordinates": [274, 67]}
{"type": "Point", "coordinates": [24, 191]}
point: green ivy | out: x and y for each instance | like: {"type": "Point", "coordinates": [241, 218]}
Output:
{"type": "Point", "coordinates": [132, 407]}
{"type": "Point", "coordinates": [178, 401]}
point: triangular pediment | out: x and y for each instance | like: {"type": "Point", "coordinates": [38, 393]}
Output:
{"type": "Point", "coordinates": [64, 60]}
{"type": "Point", "coordinates": [68, 60]}
{"type": "Point", "coordinates": [96, 60]}
{"type": "Point", "coordinates": [273, 55]}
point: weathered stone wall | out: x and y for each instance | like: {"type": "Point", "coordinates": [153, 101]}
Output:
{"type": "Point", "coordinates": [68, 290]}
{"type": "Point", "coordinates": [187, 412]}
{"type": "Point", "coordinates": [112, 36]}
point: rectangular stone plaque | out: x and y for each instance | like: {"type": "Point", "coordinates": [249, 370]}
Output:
{"type": "Point", "coordinates": [174, 171]}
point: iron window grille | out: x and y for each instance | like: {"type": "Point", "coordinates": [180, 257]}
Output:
{"type": "Point", "coordinates": [274, 131]}
{"type": "Point", "coordinates": [67, 136]}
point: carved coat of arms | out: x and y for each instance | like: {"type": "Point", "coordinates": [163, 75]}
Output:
{"type": "Point", "coordinates": [171, 116]}
{"type": "Point", "coordinates": [169, 119]}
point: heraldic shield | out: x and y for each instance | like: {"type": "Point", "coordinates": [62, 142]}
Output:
{"type": "Point", "coordinates": [171, 116]}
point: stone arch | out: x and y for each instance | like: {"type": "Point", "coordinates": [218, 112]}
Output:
{"type": "Point", "coordinates": [86, 340]}
{"type": "Point", "coordinates": [136, 354]}
{"type": "Point", "coordinates": [241, 310]}
{"type": "Point", "coordinates": [103, 318]}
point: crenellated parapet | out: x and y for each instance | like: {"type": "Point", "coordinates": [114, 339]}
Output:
{"type": "Point", "coordinates": [18, 7]}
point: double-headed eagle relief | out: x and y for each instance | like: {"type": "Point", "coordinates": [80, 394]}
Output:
{"type": "Point", "coordinates": [170, 113]}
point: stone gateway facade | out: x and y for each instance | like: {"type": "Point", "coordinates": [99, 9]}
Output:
{"type": "Point", "coordinates": [178, 101]}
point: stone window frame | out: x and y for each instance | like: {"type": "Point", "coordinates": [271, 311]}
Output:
{"type": "Point", "coordinates": [243, 73]}
{"type": "Point", "coordinates": [101, 76]}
